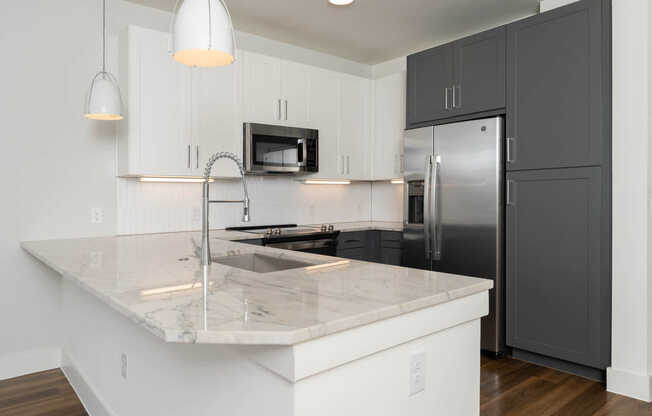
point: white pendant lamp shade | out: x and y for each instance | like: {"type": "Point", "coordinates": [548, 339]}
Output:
{"type": "Point", "coordinates": [103, 101]}
{"type": "Point", "coordinates": [202, 34]}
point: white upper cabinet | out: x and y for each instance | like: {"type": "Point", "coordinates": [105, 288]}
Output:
{"type": "Point", "coordinates": [177, 116]}
{"type": "Point", "coordinates": [154, 137]}
{"type": "Point", "coordinates": [324, 116]}
{"type": "Point", "coordinates": [216, 125]}
{"type": "Point", "coordinates": [389, 124]}
{"type": "Point", "coordinates": [355, 127]}
{"type": "Point", "coordinates": [262, 89]}
{"type": "Point", "coordinates": [295, 94]}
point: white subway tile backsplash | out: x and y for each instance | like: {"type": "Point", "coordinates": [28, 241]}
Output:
{"type": "Point", "coordinates": [145, 207]}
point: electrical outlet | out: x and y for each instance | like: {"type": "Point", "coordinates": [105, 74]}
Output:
{"type": "Point", "coordinates": [417, 372]}
{"type": "Point", "coordinates": [95, 259]}
{"type": "Point", "coordinates": [123, 367]}
{"type": "Point", "coordinates": [97, 215]}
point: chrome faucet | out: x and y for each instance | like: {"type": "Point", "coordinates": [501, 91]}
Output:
{"type": "Point", "coordinates": [205, 244]}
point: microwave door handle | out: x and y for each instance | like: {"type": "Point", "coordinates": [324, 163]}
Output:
{"type": "Point", "coordinates": [303, 146]}
{"type": "Point", "coordinates": [427, 179]}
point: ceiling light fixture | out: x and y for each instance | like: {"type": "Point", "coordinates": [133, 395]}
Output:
{"type": "Point", "coordinates": [202, 33]}
{"type": "Point", "coordinates": [103, 101]}
{"type": "Point", "coordinates": [397, 181]}
{"type": "Point", "coordinates": [340, 2]}
{"type": "Point", "coordinates": [326, 182]}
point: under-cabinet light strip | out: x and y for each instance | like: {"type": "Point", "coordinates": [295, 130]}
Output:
{"type": "Point", "coordinates": [167, 179]}
{"type": "Point", "coordinates": [326, 182]}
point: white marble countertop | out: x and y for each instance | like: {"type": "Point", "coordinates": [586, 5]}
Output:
{"type": "Point", "coordinates": [156, 281]}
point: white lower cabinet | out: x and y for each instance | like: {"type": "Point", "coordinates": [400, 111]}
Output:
{"type": "Point", "coordinates": [389, 124]}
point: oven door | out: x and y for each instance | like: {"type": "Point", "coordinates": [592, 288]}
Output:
{"type": "Point", "coordinates": [325, 246]}
{"type": "Point", "coordinates": [276, 149]}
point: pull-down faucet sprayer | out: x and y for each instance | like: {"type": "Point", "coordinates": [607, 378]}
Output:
{"type": "Point", "coordinates": [205, 244]}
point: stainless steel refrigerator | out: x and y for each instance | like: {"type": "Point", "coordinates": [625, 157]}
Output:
{"type": "Point", "coordinates": [453, 212]}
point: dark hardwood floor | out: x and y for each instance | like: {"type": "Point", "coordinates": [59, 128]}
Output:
{"type": "Point", "coordinates": [516, 388]}
{"type": "Point", "coordinates": [508, 388]}
{"type": "Point", "coordinates": [40, 394]}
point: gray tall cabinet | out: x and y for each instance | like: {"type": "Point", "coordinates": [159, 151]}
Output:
{"type": "Point", "coordinates": [558, 213]}
{"type": "Point", "coordinates": [550, 75]}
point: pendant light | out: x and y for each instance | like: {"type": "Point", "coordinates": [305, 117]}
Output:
{"type": "Point", "coordinates": [103, 101]}
{"type": "Point", "coordinates": [202, 34]}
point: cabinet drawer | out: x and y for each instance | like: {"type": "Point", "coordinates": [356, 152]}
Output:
{"type": "Point", "coordinates": [390, 239]}
{"type": "Point", "coordinates": [351, 240]}
{"type": "Point", "coordinates": [353, 254]}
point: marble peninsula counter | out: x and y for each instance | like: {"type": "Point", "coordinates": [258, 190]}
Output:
{"type": "Point", "coordinates": [315, 328]}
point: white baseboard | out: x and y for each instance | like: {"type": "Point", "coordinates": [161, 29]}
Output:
{"type": "Point", "coordinates": [629, 384]}
{"type": "Point", "coordinates": [31, 361]}
{"type": "Point", "coordinates": [88, 396]}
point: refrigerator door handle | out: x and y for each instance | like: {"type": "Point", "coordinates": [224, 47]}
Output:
{"type": "Point", "coordinates": [435, 210]}
{"type": "Point", "coordinates": [427, 201]}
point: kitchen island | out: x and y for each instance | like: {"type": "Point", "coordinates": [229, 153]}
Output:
{"type": "Point", "coordinates": [324, 336]}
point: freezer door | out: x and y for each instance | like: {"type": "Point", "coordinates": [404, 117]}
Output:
{"type": "Point", "coordinates": [467, 189]}
{"type": "Point", "coordinates": [418, 157]}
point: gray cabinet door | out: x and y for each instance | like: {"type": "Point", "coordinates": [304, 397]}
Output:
{"type": "Point", "coordinates": [479, 73]}
{"type": "Point", "coordinates": [430, 76]}
{"type": "Point", "coordinates": [555, 88]}
{"type": "Point", "coordinates": [557, 286]}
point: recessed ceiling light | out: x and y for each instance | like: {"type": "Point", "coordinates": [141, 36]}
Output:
{"type": "Point", "coordinates": [340, 2]}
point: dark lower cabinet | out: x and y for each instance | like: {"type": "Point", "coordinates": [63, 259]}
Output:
{"type": "Point", "coordinates": [558, 66]}
{"type": "Point", "coordinates": [557, 274]}
{"type": "Point", "coordinates": [374, 246]}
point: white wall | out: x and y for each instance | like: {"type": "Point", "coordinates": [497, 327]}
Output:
{"type": "Point", "coordinates": [56, 165]}
{"type": "Point", "coordinates": [631, 305]}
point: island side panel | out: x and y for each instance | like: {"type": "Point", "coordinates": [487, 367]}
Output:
{"type": "Point", "coordinates": [379, 384]}
{"type": "Point", "coordinates": [162, 379]}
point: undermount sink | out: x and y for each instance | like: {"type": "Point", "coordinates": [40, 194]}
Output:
{"type": "Point", "coordinates": [260, 263]}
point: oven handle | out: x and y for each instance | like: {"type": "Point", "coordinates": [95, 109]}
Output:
{"type": "Point", "coordinates": [304, 245]}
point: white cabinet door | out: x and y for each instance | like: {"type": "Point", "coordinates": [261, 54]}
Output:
{"type": "Point", "coordinates": [215, 118]}
{"type": "Point", "coordinates": [295, 90]}
{"type": "Point", "coordinates": [389, 120]}
{"type": "Point", "coordinates": [324, 116]}
{"type": "Point", "coordinates": [262, 89]}
{"type": "Point", "coordinates": [355, 114]}
{"type": "Point", "coordinates": [158, 104]}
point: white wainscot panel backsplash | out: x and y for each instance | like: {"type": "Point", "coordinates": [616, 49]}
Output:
{"type": "Point", "coordinates": [145, 207]}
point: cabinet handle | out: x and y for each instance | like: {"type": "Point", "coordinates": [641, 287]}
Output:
{"type": "Point", "coordinates": [286, 109]}
{"type": "Point", "coordinates": [197, 161]}
{"type": "Point", "coordinates": [457, 98]}
{"type": "Point", "coordinates": [280, 115]}
{"type": "Point", "coordinates": [348, 164]}
{"type": "Point", "coordinates": [511, 150]}
{"type": "Point", "coordinates": [511, 193]}
{"type": "Point", "coordinates": [189, 156]}
{"type": "Point", "coordinates": [446, 107]}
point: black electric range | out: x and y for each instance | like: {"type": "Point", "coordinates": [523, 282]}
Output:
{"type": "Point", "coordinates": [318, 239]}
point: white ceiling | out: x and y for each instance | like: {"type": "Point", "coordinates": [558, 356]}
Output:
{"type": "Point", "coordinates": [369, 31]}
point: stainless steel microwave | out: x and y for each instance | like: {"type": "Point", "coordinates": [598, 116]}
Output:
{"type": "Point", "coordinates": [279, 149]}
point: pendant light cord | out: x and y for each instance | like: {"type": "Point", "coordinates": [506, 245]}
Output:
{"type": "Point", "coordinates": [103, 35]}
